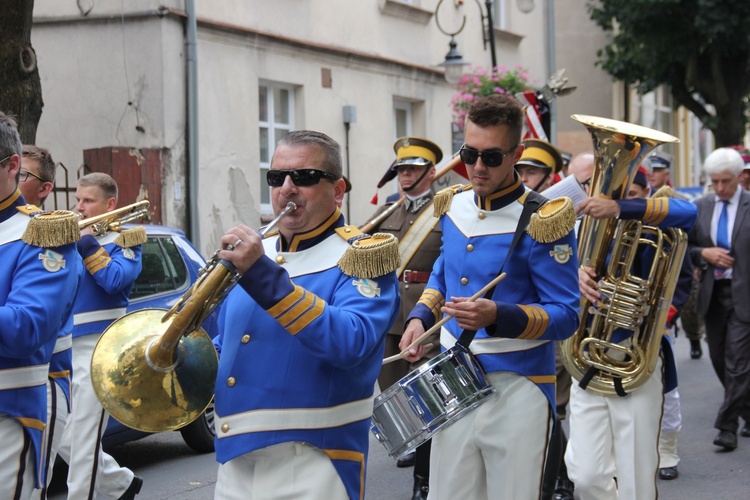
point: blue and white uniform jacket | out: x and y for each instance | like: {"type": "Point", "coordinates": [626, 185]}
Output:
{"type": "Point", "coordinates": [104, 291]}
{"type": "Point", "coordinates": [537, 302]}
{"type": "Point", "coordinates": [663, 212]}
{"type": "Point", "coordinates": [37, 290]}
{"type": "Point", "coordinates": [300, 349]}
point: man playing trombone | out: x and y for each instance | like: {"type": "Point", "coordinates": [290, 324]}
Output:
{"type": "Point", "coordinates": [301, 339]}
{"type": "Point", "coordinates": [113, 262]}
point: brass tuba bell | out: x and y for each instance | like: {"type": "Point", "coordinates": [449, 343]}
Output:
{"type": "Point", "coordinates": [638, 302]}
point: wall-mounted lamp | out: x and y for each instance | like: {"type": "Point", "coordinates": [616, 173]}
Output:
{"type": "Point", "coordinates": [454, 61]}
{"type": "Point", "coordinates": [525, 6]}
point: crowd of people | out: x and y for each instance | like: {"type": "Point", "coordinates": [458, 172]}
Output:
{"type": "Point", "coordinates": [320, 303]}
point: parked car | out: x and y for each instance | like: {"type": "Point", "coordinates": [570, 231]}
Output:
{"type": "Point", "coordinates": [170, 267]}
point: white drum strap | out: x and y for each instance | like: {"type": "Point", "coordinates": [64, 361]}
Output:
{"type": "Point", "coordinates": [491, 345]}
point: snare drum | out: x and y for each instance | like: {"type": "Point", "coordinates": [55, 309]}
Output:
{"type": "Point", "coordinates": [428, 399]}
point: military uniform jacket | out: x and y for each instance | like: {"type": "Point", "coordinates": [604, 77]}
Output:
{"type": "Point", "coordinates": [300, 347]}
{"type": "Point", "coordinates": [37, 290]}
{"type": "Point", "coordinates": [537, 302]}
{"type": "Point", "coordinates": [104, 291]}
{"type": "Point", "coordinates": [398, 224]}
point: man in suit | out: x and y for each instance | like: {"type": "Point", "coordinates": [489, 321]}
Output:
{"type": "Point", "coordinates": [719, 245]}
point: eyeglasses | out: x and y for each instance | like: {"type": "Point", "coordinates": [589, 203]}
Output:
{"type": "Point", "coordinates": [24, 175]}
{"type": "Point", "coordinates": [300, 177]}
{"type": "Point", "coordinates": [489, 158]}
{"type": "Point", "coordinates": [4, 159]}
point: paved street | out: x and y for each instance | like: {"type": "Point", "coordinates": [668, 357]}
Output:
{"type": "Point", "coordinates": [172, 471]}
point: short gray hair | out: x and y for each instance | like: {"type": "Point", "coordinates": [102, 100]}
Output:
{"type": "Point", "coordinates": [10, 141]}
{"type": "Point", "coordinates": [331, 162]}
{"type": "Point", "coordinates": [724, 160]}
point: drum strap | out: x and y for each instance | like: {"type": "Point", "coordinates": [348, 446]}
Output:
{"type": "Point", "coordinates": [533, 201]}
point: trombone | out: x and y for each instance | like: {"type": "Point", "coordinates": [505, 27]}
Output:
{"type": "Point", "coordinates": [154, 370]}
{"type": "Point", "coordinates": [113, 221]}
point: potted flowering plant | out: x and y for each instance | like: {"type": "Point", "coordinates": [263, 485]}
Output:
{"type": "Point", "coordinates": [479, 81]}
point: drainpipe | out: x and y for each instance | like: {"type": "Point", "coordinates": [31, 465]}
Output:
{"type": "Point", "coordinates": [192, 122]}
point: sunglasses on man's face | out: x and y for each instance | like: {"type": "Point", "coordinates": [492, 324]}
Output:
{"type": "Point", "coordinates": [489, 158]}
{"type": "Point", "coordinates": [300, 177]}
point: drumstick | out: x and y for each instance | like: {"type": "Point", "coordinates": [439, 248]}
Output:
{"type": "Point", "coordinates": [443, 321]}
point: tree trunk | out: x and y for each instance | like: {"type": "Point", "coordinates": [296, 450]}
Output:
{"type": "Point", "coordinates": [20, 86]}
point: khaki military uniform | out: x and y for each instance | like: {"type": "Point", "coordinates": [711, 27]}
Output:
{"type": "Point", "coordinates": [411, 284]}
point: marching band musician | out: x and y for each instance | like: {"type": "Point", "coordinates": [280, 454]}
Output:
{"type": "Point", "coordinates": [498, 449]}
{"type": "Point", "coordinates": [418, 234]}
{"type": "Point", "coordinates": [539, 163]}
{"type": "Point", "coordinates": [301, 339]}
{"type": "Point", "coordinates": [613, 447]}
{"type": "Point", "coordinates": [37, 289]}
{"type": "Point", "coordinates": [112, 262]}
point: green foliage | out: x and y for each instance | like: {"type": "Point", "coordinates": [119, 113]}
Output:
{"type": "Point", "coordinates": [700, 48]}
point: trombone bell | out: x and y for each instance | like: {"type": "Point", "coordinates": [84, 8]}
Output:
{"type": "Point", "coordinates": [146, 396]}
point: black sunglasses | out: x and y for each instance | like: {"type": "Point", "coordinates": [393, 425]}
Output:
{"type": "Point", "coordinates": [489, 158]}
{"type": "Point", "coordinates": [300, 177]}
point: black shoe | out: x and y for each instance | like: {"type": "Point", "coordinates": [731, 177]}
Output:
{"type": "Point", "coordinates": [695, 349]}
{"type": "Point", "coordinates": [421, 487]}
{"type": "Point", "coordinates": [406, 461]}
{"type": "Point", "coordinates": [746, 430]}
{"type": "Point", "coordinates": [668, 473]}
{"type": "Point", "coordinates": [133, 489]}
{"type": "Point", "coordinates": [727, 440]}
{"type": "Point", "coordinates": [564, 490]}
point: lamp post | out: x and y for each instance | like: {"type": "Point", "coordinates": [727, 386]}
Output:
{"type": "Point", "coordinates": [454, 61]}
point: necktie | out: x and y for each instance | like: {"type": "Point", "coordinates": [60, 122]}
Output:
{"type": "Point", "coordinates": [722, 232]}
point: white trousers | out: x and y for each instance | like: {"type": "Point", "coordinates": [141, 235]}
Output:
{"type": "Point", "coordinates": [16, 460]}
{"type": "Point", "coordinates": [497, 450]}
{"type": "Point", "coordinates": [285, 471]}
{"type": "Point", "coordinates": [57, 416]}
{"type": "Point", "coordinates": [614, 437]}
{"type": "Point", "coordinates": [90, 470]}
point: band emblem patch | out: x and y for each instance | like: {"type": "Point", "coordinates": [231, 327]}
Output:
{"type": "Point", "coordinates": [52, 261]}
{"type": "Point", "coordinates": [128, 253]}
{"type": "Point", "coordinates": [561, 253]}
{"type": "Point", "coordinates": [367, 288]}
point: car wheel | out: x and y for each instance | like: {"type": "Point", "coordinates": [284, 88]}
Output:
{"type": "Point", "coordinates": [199, 434]}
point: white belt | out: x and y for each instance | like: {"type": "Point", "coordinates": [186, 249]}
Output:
{"type": "Point", "coordinates": [491, 345]}
{"type": "Point", "coordinates": [63, 343]}
{"type": "Point", "coordinates": [297, 418]}
{"type": "Point", "coordinates": [105, 314]}
{"type": "Point", "coordinates": [27, 376]}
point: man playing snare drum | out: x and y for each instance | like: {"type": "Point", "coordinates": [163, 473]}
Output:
{"type": "Point", "coordinates": [498, 449]}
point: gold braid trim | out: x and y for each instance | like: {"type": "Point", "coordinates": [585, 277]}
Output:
{"type": "Point", "coordinates": [131, 237]}
{"type": "Point", "coordinates": [444, 198]}
{"type": "Point", "coordinates": [371, 257]}
{"type": "Point", "coordinates": [553, 220]}
{"type": "Point", "coordinates": [664, 192]}
{"type": "Point", "coordinates": [52, 229]}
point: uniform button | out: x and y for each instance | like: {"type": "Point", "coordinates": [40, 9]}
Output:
{"type": "Point", "coordinates": [406, 287]}
{"type": "Point", "coordinates": [482, 215]}
{"type": "Point", "coordinates": [231, 381]}
{"type": "Point", "coordinates": [280, 259]}
{"type": "Point", "coordinates": [245, 339]}
{"type": "Point", "coordinates": [225, 428]}
{"type": "Point", "coordinates": [469, 247]}
{"type": "Point", "coordinates": [464, 281]}
{"type": "Point", "coordinates": [411, 222]}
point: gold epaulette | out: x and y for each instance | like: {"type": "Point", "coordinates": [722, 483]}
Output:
{"type": "Point", "coordinates": [131, 237]}
{"type": "Point", "coordinates": [664, 192]}
{"type": "Point", "coordinates": [553, 220]}
{"type": "Point", "coordinates": [444, 198]}
{"type": "Point", "coordinates": [50, 229]}
{"type": "Point", "coordinates": [368, 256]}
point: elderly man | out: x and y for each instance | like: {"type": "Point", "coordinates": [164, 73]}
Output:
{"type": "Point", "coordinates": [720, 246]}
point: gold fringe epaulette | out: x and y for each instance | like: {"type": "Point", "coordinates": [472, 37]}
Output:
{"type": "Point", "coordinates": [131, 237]}
{"type": "Point", "coordinates": [664, 192]}
{"type": "Point", "coordinates": [51, 229]}
{"type": "Point", "coordinates": [368, 256]}
{"type": "Point", "coordinates": [444, 198]}
{"type": "Point", "coordinates": [553, 220]}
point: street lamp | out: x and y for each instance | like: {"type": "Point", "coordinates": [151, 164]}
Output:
{"type": "Point", "coordinates": [454, 61]}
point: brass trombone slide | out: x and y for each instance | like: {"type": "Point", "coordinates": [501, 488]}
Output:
{"type": "Point", "coordinates": [113, 221]}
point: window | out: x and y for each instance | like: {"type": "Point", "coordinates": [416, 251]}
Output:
{"type": "Point", "coordinates": [402, 118]}
{"type": "Point", "coordinates": [654, 110]}
{"type": "Point", "coordinates": [163, 269]}
{"type": "Point", "coordinates": [275, 119]}
{"type": "Point", "coordinates": [499, 17]}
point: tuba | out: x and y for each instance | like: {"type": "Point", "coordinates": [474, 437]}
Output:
{"type": "Point", "coordinates": [635, 301]}
{"type": "Point", "coordinates": [154, 370]}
